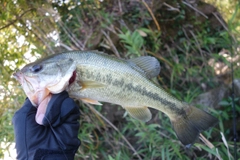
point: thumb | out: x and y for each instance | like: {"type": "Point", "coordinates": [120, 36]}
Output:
{"type": "Point", "coordinates": [42, 109]}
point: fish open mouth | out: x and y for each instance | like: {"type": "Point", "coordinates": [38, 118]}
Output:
{"type": "Point", "coordinates": [73, 78]}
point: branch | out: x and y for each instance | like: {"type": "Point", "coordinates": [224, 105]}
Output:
{"type": "Point", "coordinates": [171, 7]}
{"type": "Point", "coordinates": [17, 19]}
{"type": "Point", "coordinates": [152, 15]}
{"type": "Point", "coordinates": [111, 44]}
{"type": "Point", "coordinates": [195, 9]}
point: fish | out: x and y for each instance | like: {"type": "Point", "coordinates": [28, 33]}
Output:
{"type": "Point", "coordinates": [95, 77]}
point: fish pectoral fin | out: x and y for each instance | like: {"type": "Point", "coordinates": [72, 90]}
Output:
{"type": "Point", "coordinates": [140, 113]}
{"type": "Point", "coordinates": [91, 101]}
{"type": "Point", "coordinates": [90, 84]}
{"type": "Point", "coordinates": [148, 64]}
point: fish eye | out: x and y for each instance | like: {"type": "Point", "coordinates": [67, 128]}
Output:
{"type": "Point", "coordinates": [36, 68]}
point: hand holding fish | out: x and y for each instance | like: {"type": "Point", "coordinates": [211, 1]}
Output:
{"type": "Point", "coordinates": [39, 96]}
{"type": "Point", "coordinates": [56, 137]}
{"type": "Point", "coordinates": [92, 76]}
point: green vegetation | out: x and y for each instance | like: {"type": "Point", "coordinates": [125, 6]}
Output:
{"type": "Point", "coordinates": [193, 43]}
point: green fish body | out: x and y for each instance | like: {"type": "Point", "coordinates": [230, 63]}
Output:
{"type": "Point", "coordinates": [95, 77]}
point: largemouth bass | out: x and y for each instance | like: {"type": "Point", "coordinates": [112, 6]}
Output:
{"type": "Point", "coordinates": [95, 77]}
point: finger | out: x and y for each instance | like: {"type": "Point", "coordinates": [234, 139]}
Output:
{"type": "Point", "coordinates": [42, 109]}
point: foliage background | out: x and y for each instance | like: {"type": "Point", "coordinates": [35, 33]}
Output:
{"type": "Point", "coordinates": [195, 41]}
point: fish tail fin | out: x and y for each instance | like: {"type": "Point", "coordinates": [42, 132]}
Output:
{"type": "Point", "coordinates": [189, 126]}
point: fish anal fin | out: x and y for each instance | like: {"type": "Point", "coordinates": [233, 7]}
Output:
{"type": "Point", "coordinates": [148, 64]}
{"type": "Point", "coordinates": [140, 113]}
{"type": "Point", "coordinates": [90, 84]}
{"type": "Point", "coordinates": [91, 101]}
{"type": "Point", "coordinates": [189, 126]}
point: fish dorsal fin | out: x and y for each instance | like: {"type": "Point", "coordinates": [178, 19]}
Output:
{"type": "Point", "coordinates": [140, 113]}
{"type": "Point", "coordinates": [149, 65]}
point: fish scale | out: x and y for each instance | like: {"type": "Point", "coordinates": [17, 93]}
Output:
{"type": "Point", "coordinates": [93, 66]}
{"type": "Point", "coordinates": [131, 91]}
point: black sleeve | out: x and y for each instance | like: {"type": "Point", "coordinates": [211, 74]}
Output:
{"type": "Point", "coordinates": [57, 138]}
